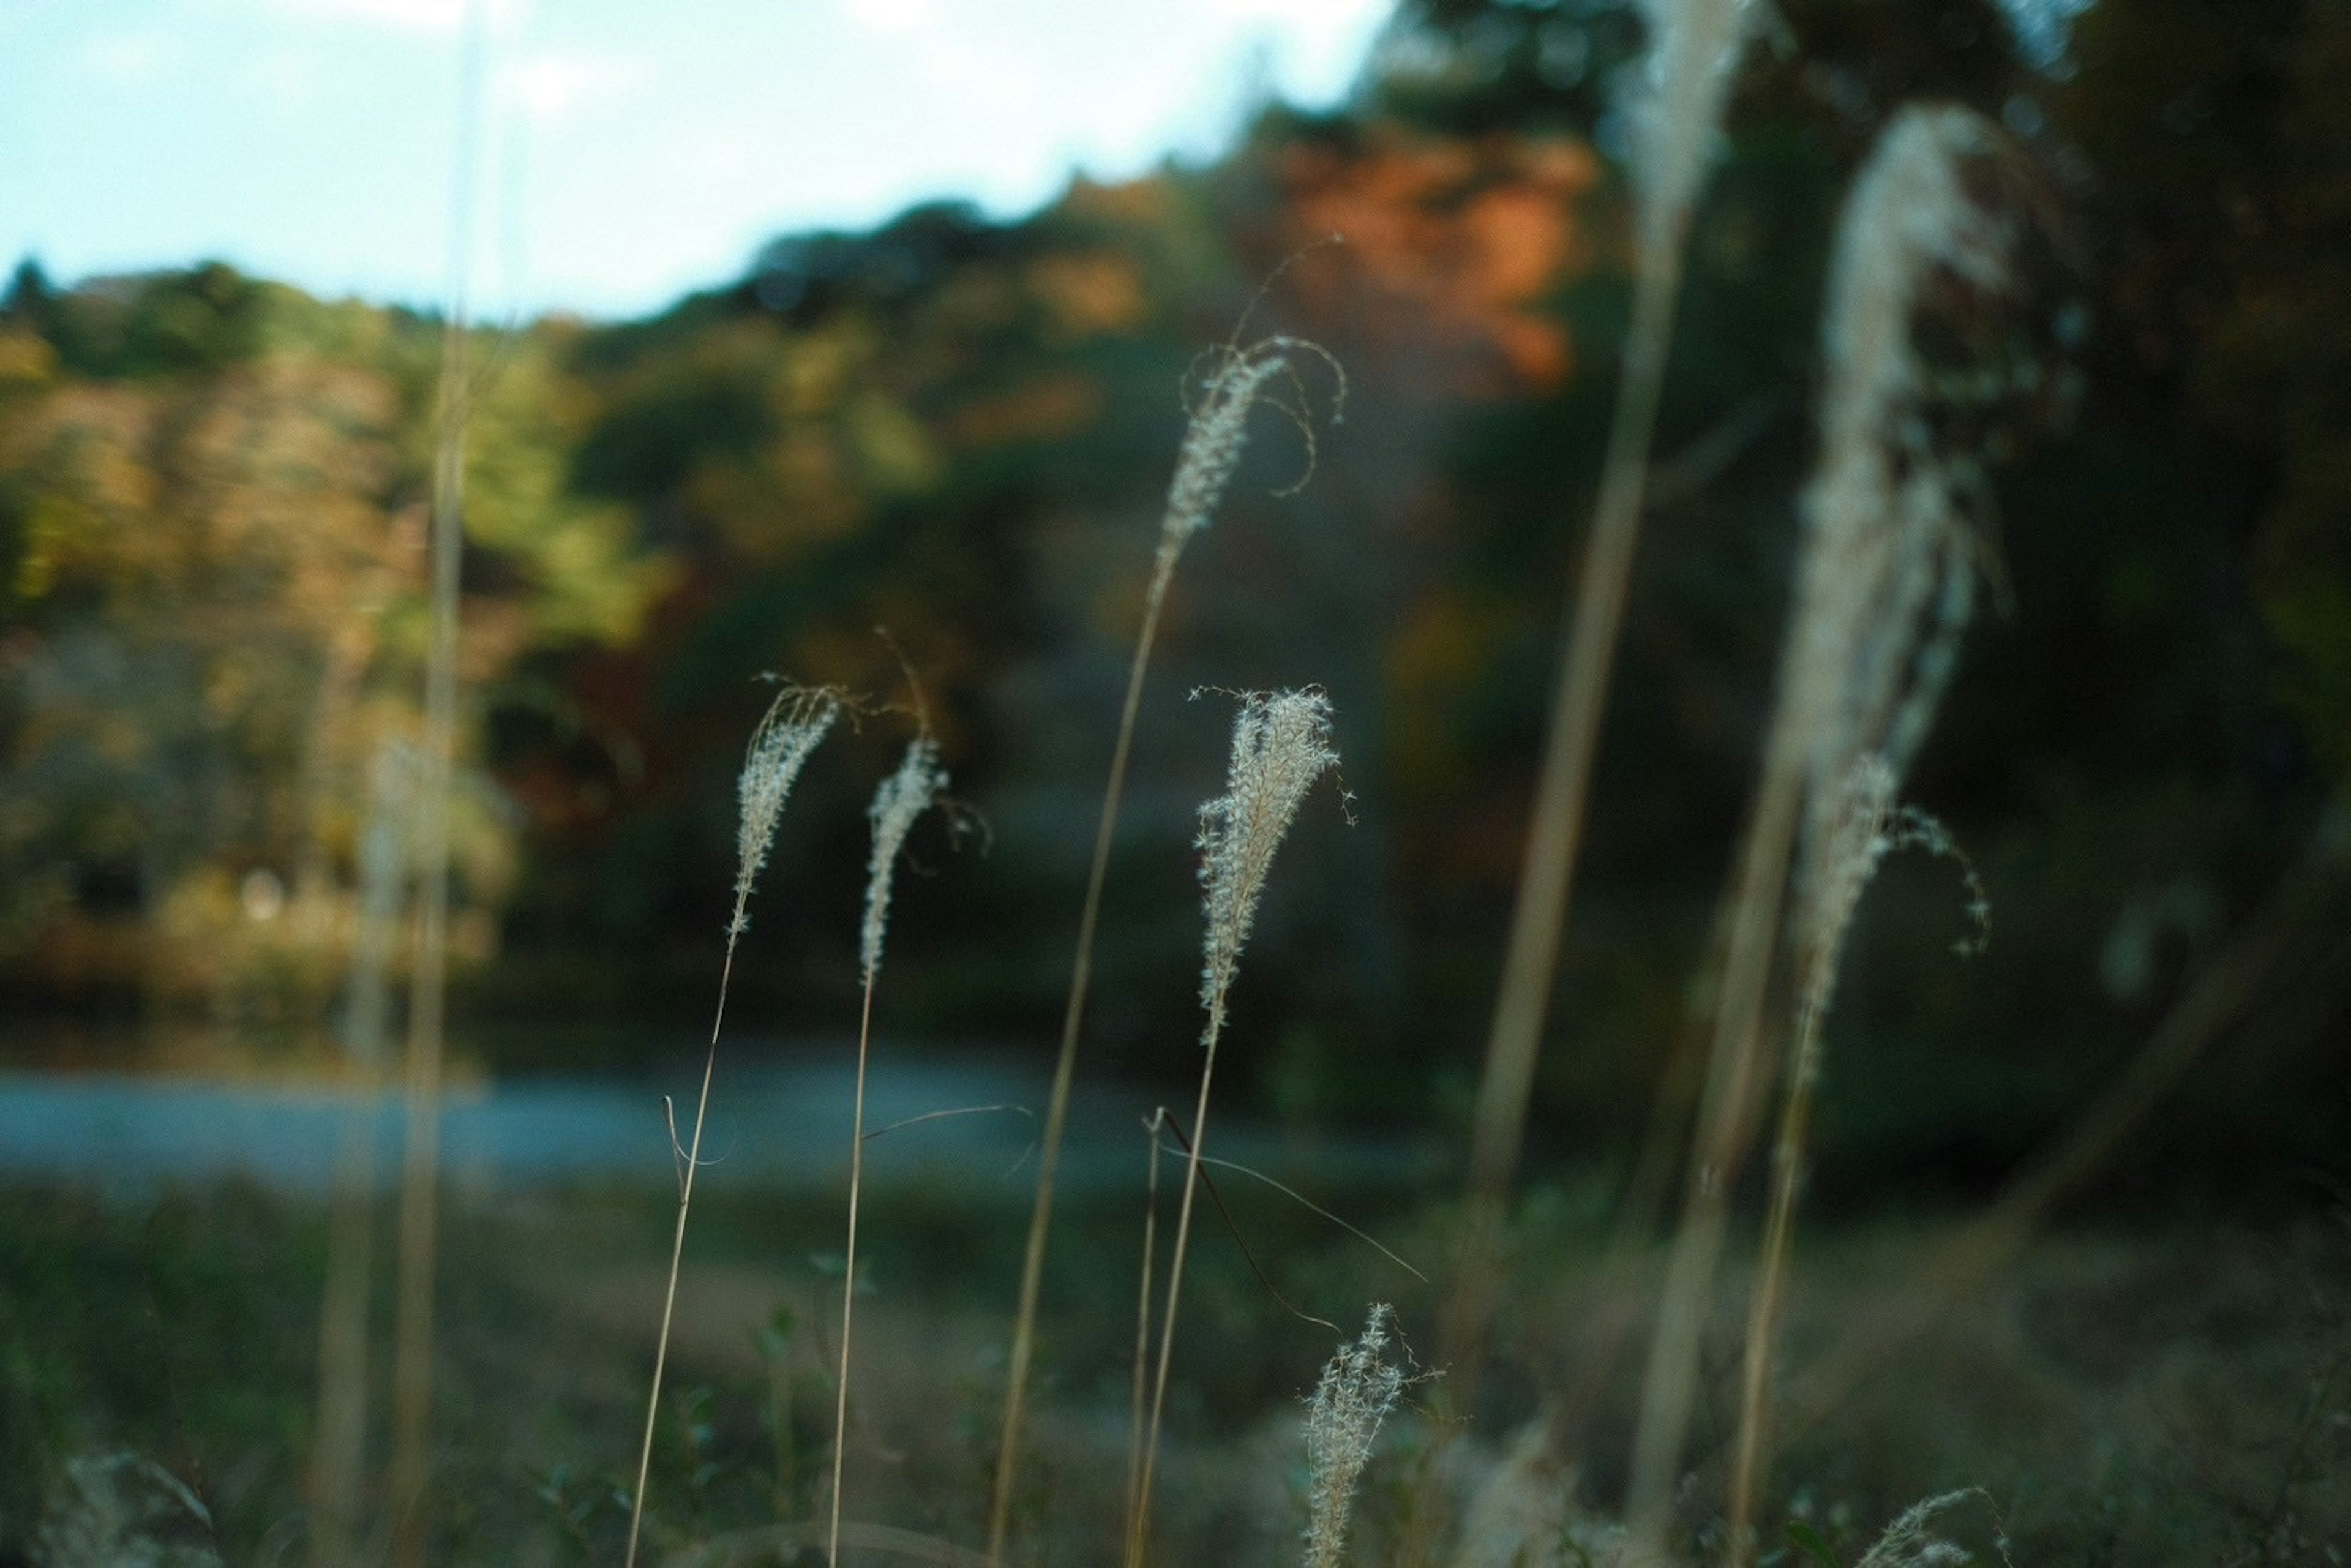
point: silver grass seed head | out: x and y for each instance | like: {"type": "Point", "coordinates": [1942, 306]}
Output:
{"type": "Point", "coordinates": [1358, 1389]}
{"type": "Point", "coordinates": [1887, 582]}
{"type": "Point", "coordinates": [1213, 439]}
{"type": "Point", "coordinates": [1910, 1543]}
{"type": "Point", "coordinates": [900, 800]}
{"type": "Point", "coordinates": [1854, 844]}
{"type": "Point", "coordinates": [1281, 744]}
{"type": "Point", "coordinates": [788, 732]}
{"type": "Point", "coordinates": [1865, 825]}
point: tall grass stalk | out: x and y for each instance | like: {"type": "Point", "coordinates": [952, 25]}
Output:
{"type": "Point", "coordinates": [1143, 1320]}
{"type": "Point", "coordinates": [1358, 1388]}
{"type": "Point", "coordinates": [1852, 851]}
{"type": "Point", "coordinates": [1885, 587]}
{"type": "Point", "coordinates": [1281, 744]}
{"type": "Point", "coordinates": [902, 799]}
{"type": "Point", "coordinates": [412, 1370]}
{"type": "Point", "coordinates": [2300, 933]}
{"type": "Point", "coordinates": [1211, 451]}
{"type": "Point", "coordinates": [1866, 826]}
{"type": "Point", "coordinates": [1695, 47]}
{"type": "Point", "coordinates": [339, 1449]}
{"type": "Point", "coordinates": [787, 733]}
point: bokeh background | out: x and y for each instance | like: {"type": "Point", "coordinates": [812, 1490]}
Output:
{"type": "Point", "coordinates": [956, 418]}
{"type": "Point", "coordinates": [958, 427]}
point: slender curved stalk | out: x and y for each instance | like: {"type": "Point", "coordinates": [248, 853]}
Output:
{"type": "Point", "coordinates": [678, 1244]}
{"type": "Point", "coordinates": [340, 1447]}
{"type": "Point", "coordinates": [790, 729]}
{"type": "Point", "coordinates": [1211, 450]}
{"type": "Point", "coordinates": [849, 1272]}
{"type": "Point", "coordinates": [1057, 1107]}
{"type": "Point", "coordinates": [1726, 1115]}
{"type": "Point", "coordinates": [1139, 1530]}
{"type": "Point", "coordinates": [412, 1377]}
{"type": "Point", "coordinates": [1556, 838]}
{"type": "Point", "coordinates": [1143, 1320]}
{"type": "Point", "coordinates": [1748, 1462]}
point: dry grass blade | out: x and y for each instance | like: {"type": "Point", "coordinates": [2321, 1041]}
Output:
{"type": "Point", "coordinates": [1882, 591]}
{"type": "Point", "coordinates": [339, 1448]}
{"type": "Point", "coordinates": [412, 1377]}
{"type": "Point", "coordinates": [1695, 47]}
{"type": "Point", "coordinates": [1212, 446]}
{"type": "Point", "coordinates": [1281, 744]}
{"type": "Point", "coordinates": [900, 801]}
{"type": "Point", "coordinates": [787, 733]}
{"type": "Point", "coordinates": [1866, 828]}
{"type": "Point", "coordinates": [1151, 1127]}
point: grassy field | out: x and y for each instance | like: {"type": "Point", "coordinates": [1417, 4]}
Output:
{"type": "Point", "coordinates": [2172, 1394]}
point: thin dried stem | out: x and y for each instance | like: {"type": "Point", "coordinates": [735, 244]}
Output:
{"type": "Point", "coordinates": [1139, 1529]}
{"type": "Point", "coordinates": [412, 1374]}
{"type": "Point", "coordinates": [903, 798]}
{"type": "Point", "coordinates": [1143, 1321]}
{"type": "Point", "coordinates": [1281, 744]}
{"type": "Point", "coordinates": [1883, 589]}
{"type": "Point", "coordinates": [1211, 451]}
{"type": "Point", "coordinates": [780, 744]}
{"type": "Point", "coordinates": [1694, 47]}
{"type": "Point", "coordinates": [340, 1455]}
{"type": "Point", "coordinates": [848, 1277]}
{"type": "Point", "coordinates": [1852, 851]}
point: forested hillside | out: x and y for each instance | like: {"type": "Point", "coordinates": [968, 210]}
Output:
{"type": "Point", "coordinates": [212, 494]}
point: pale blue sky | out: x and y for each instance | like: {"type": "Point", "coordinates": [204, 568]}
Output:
{"type": "Point", "coordinates": [631, 150]}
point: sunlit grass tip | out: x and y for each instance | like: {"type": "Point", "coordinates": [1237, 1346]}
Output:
{"type": "Point", "coordinates": [1281, 744]}
{"type": "Point", "coordinates": [790, 730]}
{"type": "Point", "coordinates": [902, 798]}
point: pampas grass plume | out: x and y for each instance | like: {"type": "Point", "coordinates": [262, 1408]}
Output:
{"type": "Point", "coordinates": [902, 798]}
{"type": "Point", "coordinates": [1281, 744]}
{"type": "Point", "coordinates": [1217, 434]}
{"type": "Point", "coordinates": [1888, 577]}
{"type": "Point", "coordinates": [790, 730]}
{"type": "Point", "coordinates": [787, 733]}
{"type": "Point", "coordinates": [1211, 452]}
{"type": "Point", "coordinates": [1358, 1388]}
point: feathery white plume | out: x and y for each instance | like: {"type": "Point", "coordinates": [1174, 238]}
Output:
{"type": "Point", "coordinates": [902, 798]}
{"type": "Point", "coordinates": [1887, 581]}
{"type": "Point", "coordinates": [1218, 431]}
{"type": "Point", "coordinates": [779, 748]}
{"type": "Point", "coordinates": [1358, 1388]}
{"type": "Point", "coordinates": [1909, 1544]}
{"type": "Point", "coordinates": [1281, 744]}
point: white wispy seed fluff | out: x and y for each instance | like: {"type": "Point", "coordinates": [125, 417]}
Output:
{"type": "Point", "coordinates": [779, 748]}
{"type": "Point", "coordinates": [901, 798]}
{"type": "Point", "coordinates": [1887, 581]}
{"type": "Point", "coordinates": [1358, 1389]}
{"type": "Point", "coordinates": [1281, 744]}
{"type": "Point", "coordinates": [1214, 440]}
